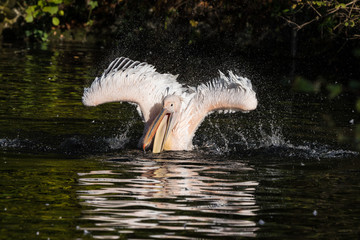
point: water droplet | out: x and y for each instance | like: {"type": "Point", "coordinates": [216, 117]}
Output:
{"type": "Point", "coordinates": [315, 213]}
{"type": "Point", "coordinates": [37, 233]}
{"type": "Point", "coordinates": [261, 222]}
{"type": "Point", "coordinates": [351, 121]}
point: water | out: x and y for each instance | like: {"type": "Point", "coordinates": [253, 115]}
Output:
{"type": "Point", "coordinates": [70, 172]}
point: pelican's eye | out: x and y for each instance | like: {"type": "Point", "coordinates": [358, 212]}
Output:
{"type": "Point", "coordinates": [172, 105]}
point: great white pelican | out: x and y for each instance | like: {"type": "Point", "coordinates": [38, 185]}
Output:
{"type": "Point", "coordinates": [171, 112]}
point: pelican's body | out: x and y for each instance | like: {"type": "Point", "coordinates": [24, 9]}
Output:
{"type": "Point", "coordinates": [172, 113]}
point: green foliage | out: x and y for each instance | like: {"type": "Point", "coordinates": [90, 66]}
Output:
{"type": "Point", "coordinates": [43, 9]}
{"type": "Point", "coordinates": [42, 13]}
{"type": "Point", "coordinates": [303, 85]}
{"type": "Point", "coordinates": [55, 21]}
{"type": "Point", "coordinates": [43, 16]}
{"type": "Point", "coordinates": [334, 90]}
{"type": "Point", "coordinates": [38, 34]}
{"type": "Point", "coordinates": [336, 17]}
{"type": "Point", "coordinates": [244, 22]}
{"type": "Point", "coordinates": [93, 4]}
{"type": "Point", "coordinates": [51, 9]}
{"type": "Point", "coordinates": [334, 20]}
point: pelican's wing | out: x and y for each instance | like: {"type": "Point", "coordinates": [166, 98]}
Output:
{"type": "Point", "coordinates": [232, 92]}
{"type": "Point", "coordinates": [130, 81]}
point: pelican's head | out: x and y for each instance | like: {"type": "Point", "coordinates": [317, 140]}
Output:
{"type": "Point", "coordinates": [163, 123]}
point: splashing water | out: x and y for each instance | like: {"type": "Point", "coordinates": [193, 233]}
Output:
{"type": "Point", "coordinates": [9, 143]}
{"type": "Point", "coordinates": [118, 141]}
{"type": "Point", "coordinates": [274, 138]}
{"type": "Point", "coordinates": [275, 143]}
{"type": "Point", "coordinates": [269, 141]}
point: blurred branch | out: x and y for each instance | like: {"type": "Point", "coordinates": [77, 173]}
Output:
{"type": "Point", "coordinates": [296, 25]}
{"type": "Point", "coordinates": [341, 17]}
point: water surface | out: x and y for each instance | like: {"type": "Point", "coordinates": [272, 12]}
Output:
{"type": "Point", "coordinates": [71, 172]}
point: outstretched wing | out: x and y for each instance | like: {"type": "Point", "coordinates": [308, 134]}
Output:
{"type": "Point", "coordinates": [131, 81]}
{"type": "Point", "coordinates": [232, 92]}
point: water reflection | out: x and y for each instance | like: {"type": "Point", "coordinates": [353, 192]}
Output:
{"type": "Point", "coordinates": [180, 197]}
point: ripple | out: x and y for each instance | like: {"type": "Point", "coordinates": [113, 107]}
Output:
{"type": "Point", "coordinates": [178, 199]}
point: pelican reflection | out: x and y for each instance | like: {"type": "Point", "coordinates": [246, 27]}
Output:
{"type": "Point", "coordinates": [176, 195]}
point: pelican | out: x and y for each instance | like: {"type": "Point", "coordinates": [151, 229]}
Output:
{"type": "Point", "coordinates": [171, 112]}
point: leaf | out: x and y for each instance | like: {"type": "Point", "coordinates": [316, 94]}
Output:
{"type": "Point", "coordinates": [51, 9]}
{"type": "Point", "coordinates": [31, 12]}
{"type": "Point", "coordinates": [55, 21]}
{"type": "Point", "coordinates": [40, 3]}
{"type": "Point", "coordinates": [90, 22]}
{"type": "Point", "coordinates": [44, 37]}
{"type": "Point", "coordinates": [30, 9]}
{"type": "Point", "coordinates": [29, 18]}
{"type": "Point", "coordinates": [193, 23]}
{"type": "Point", "coordinates": [56, 1]}
{"type": "Point", "coordinates": [319, 3]}
{"type": "Point", "coordinates": [61, 13]}
{"type": "Point", "coordinates": [93, 4]}
{"type": "Point", "coordinates": [340, 5]}
{"type": "Point", "coordinates": [303, 85]}
{"type": "Point", "coordinates": [334, 90]}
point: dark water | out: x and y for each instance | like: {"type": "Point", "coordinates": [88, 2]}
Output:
{"type": "Point", "coordinates": [70, 172]}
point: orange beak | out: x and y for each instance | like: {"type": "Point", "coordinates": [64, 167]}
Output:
{"type": "Point", "coordinates": [160, 129]}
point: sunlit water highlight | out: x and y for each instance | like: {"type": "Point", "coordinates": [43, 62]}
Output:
{"type": "Point", "coordinates": [169, 195]}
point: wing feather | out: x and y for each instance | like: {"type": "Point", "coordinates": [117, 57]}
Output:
{"type": "Point", "coordinates": [229, 93]}
{"type": "Point", "coordinates": [131, 81]}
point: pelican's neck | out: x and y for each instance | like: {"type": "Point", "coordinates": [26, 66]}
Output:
{"type": "Point", "coordinates": [179, 138]}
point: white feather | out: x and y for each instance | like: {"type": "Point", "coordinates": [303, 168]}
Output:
{"type": "Point", "coordinates": [126, 80]}
{"type": "Point", "coordinates": [139, 83]}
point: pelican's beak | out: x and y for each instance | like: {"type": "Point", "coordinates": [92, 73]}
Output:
{"type": "Point", "coordinates": [160, 128]}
